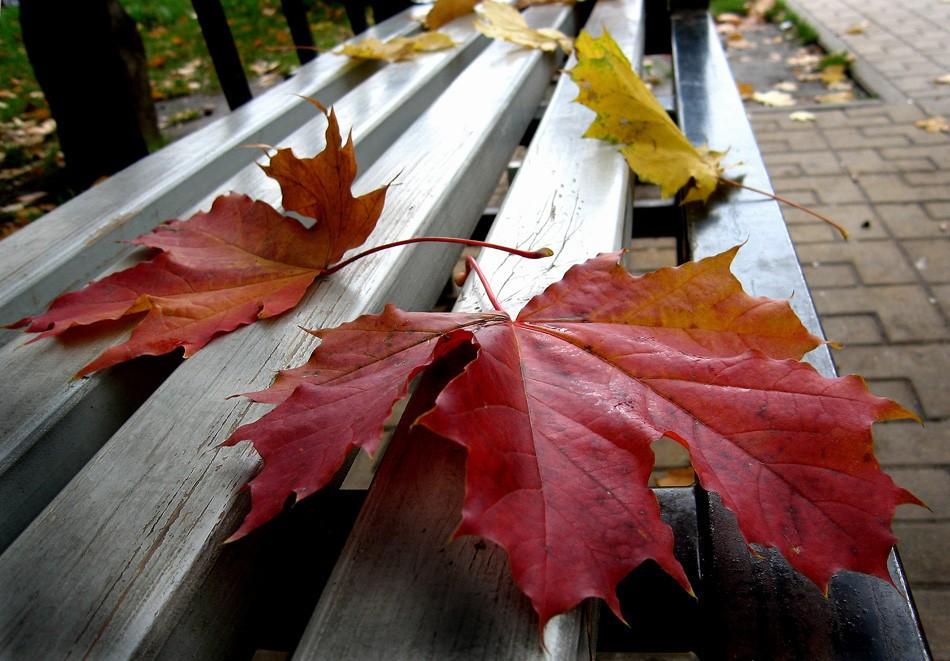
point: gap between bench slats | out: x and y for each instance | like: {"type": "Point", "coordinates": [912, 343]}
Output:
{"type": "Point", "coordinates": [50, 424]}
{"type": "Point", "coordinates": [400, 589]}
{"type": "Point", "coordinates": [110, 566]}
{"type": "Point", "coordinates": [762, 608]}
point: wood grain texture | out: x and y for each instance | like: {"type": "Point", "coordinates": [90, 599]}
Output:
{"type": "Point", "coordinates": [400, 590]}
{"type": "Point", "coordinates": [114, 560]}
{"type": "Point", "coordinates": [41, 407]}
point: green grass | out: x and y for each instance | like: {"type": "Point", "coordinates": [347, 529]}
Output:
{"type": "Point", "coordinates": [717, 7]}
{"type": "Point", "coordinates": [805, 32]}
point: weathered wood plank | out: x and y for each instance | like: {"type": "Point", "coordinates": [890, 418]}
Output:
{"type": "Point", "coordinates": [78, 240]}
{"type": "Point", "coordinates": [400, 590]}
{"type": "Point", "coordinates": [769, 610]}
{"type": "Point", "coordinates": [50, 425]}
{"type": "Point", "coordinates": [110, 565]}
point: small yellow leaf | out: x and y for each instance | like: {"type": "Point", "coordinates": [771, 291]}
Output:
{"type": "Point", "coordinates": [500, 21]}
{"type": "Point", "coordinates": [398, 48]}
{"type": "Point", "coordinates": [745, 90]}
{"type": "Point", "coordinates": [445, 11]}
{"type": "Point", "coordinates": [936, 124]}
{"type": "Point", "coordinates": [858, 28]}
{"type": "Point", "coordinates": [786, 86]}
{"type": "Point", "coordinates": [774, 99]}
{"type": "Point", "coordinates": [802, 116]}
{"type": "Point", "coordinates": [629, 116]}
{"type": "Point", "coordinates": [833, 74]}
{"type": "Point", "coordinates": [836, 97]}
{"type": "Point", "coordinates": [943, 80]}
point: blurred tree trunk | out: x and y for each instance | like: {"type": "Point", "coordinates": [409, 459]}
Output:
{"type": "Point", "coordinates": [89, 60]}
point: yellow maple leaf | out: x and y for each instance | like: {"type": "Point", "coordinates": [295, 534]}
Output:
{"type": "Point", "coordinates": [629, 116]}
{"type": "Point", "coordinates": [444, 11]}
{"type": "Point", "coordinates": [500, 21]}
{"type": "Point", "coordinates": [398, 48]}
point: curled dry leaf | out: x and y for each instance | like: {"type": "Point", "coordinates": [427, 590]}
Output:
{"type": "Point", "coordinates": [858, 28]}
{"type": "Point", "coordinates": [936, 124]}
{"type": "Point", "coordinates": [444, 11]}
{"type": "Point", "coordinates": [500, 21]}
{"type": "Point", "coordinates": [557, 411]}
{"type": "Point", "coordinates": [774, 99]}
{"type": "Point", "coordinates": [398, 48]}
{"type": "Point", "coordinates": [239, 262]}
{"type": "Point", "coordinates": [833, 74]}
{"type": "Point", "coordinates": [629, 116]}
{"type": "Point", "coordinates": [786, 86]}
{"type": "Point", "coordinates": [943, 80]}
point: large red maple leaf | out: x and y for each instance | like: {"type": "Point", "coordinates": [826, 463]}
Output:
{"type": "Point", "coordinates": [559, 407]}
{"type": "Point", "coordinates": [240, 261]}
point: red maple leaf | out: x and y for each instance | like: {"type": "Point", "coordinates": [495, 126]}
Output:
{"type": "Point", "coordinates": [559, 407]}
{"type": "Point", "coordinates": [239, 262]}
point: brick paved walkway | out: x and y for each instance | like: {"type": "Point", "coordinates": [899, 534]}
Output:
{"type": "Point", "coordinates": [886, 292]}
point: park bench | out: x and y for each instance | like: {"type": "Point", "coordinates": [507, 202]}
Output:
{"type": "Point", "coordinates": [117, 497]}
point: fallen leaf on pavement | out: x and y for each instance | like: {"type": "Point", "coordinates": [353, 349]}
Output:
{"type": "Point", "coordinates": [858, 28]}
{"type": "Point", "coordinates": [943, 80]}
{"type": "Point", "coordinates": [936, 124]}
{"type": "Point", "coordinates": [737, 41]}
{"type": "Point", "coordinates": [802, 116]}
{"type": "Point", "coordinates": [746, 90]}
{"type": "Point", "coordinates": [836, 97]}
{"type": "Point", "coordinates": [787, 86]}
{"type": "Point", "coordinates": [833, 74]}
{"type": "Point", "coordinates": [774, 99]}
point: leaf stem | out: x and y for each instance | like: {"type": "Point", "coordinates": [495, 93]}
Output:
{"type": "Point", "coordinates": [785, 200]}
{"type": "Point", "coordinates": [529, 254]}
{"type": "Point", "coordinates": [473, 265]}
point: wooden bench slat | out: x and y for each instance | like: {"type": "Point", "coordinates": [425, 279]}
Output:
{"type": "Point", "coordinates": [109, 566]}
{"type": "Point", "coordinates": [400, 590]}
{"type": "Point", "coordinates": [70, 420]}
{"type": "Point", "coordinates": [78, 240]}
{"type": "Point", "coordinates": [768, 610]}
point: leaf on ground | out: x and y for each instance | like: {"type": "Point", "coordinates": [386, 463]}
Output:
{"type": "Point", "coordinates": [445, 11]}
{"type": "Point", "coordinates": [500, 21]}
{"type": "Point", "coordinates": [802, 116]}
{"type": "Point", "coordinates": [858, 28]}
{"type": "Point", "coordinates": [737, 41]}
{"type": "Point", "coordinates": [746, 90]}
{"type": "Point", "coordinates": [936, 124]}
{"type": "Point", "coordinates": [774, 99]}
{"type": "Point", "coordinates": [628, 115]}
{"type": "Point", "coordinates": [833, 74]}
{"type": "Point", "coordinates": [227, 267]}
{"type": "Point", "coordinates": [398, 49]}
{"type": "Point", "coordinates": [558, 410]}
{"type": "Point", "coordinates": [786, 86]}
{"type": "Point", "coordinates": [836, 97]}
{"type": "Point", "coordinates": [943, 80]}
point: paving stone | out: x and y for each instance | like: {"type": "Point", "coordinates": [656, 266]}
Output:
{"type": "Point", "coordinates": [852, 329]}
{"type": "Point", "coordinates": [924, 364]}
{"type": "Point", "coordinates": [892, 188]}
{"type": "Point", "coordinates": [851, 138]}
{"type": "Point", "coordinates": [931, 258]}
{"type": "Point", "coordinates": [810, 162]}
{"type": "Point", "coordinates": [905, 311]}
{"type": "Point", "coordinates": [863, 161]}
{"type": "Point", "coordinates": [831, 189]}
{"type": "Point", "coordinates": [877, 262]}
{"type": "Point", "coordinates": [923, 548]}
{"type": "Point", "coordinates": [912, 443]}
{"type": "Point", "coordinates": [942, 294]}
{"type": "Point", "coordinates": [931, 485]}
{"type": "Point", "coordinates": [933, 605]}
{"type": "Point", "coordinates": [938, 209]}
{"type": "Point", "coordinates": [900, 390]}
{"type": "Point", "coordinates": [814, 232]}
{"type": "Point", "coordinates": [909, 220]}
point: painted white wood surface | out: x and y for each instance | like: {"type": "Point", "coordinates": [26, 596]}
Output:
{"type": "Point", "coordinates": [109, 566]}
{"type": "Point", "coordinates": [50, 424]}
{"type": "Point", "coordinates": [399, 589]}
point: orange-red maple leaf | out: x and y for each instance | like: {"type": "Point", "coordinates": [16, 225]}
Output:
{"type": "Point", "coordinates": [227, 267]}
{"type": "Point", "coordinates": [558, 410]}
